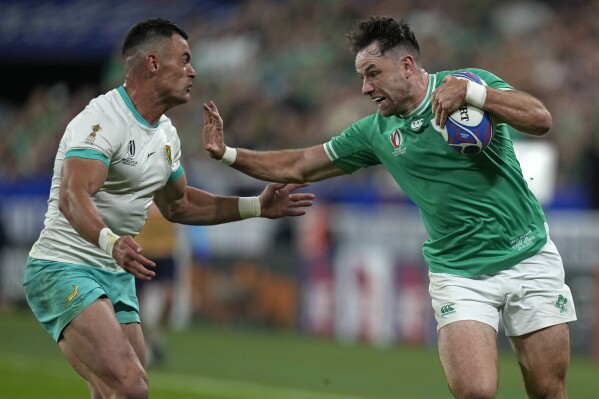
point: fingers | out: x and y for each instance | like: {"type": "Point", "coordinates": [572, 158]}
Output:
{"type": "Point", "coordinates": [128, 255]}
{"type": "Point", "coordinates": [303, 197]}
{"type": "Point", "coordinates": [287, 187]}
{"type": "Point", "coordinates": [139, 269]}
{"type": "Point", "coordinates": [292, 187]}
{"type": "Point", "coordinates": [441, 118]}
{"type": "Point", "coordinates": [211, 115]}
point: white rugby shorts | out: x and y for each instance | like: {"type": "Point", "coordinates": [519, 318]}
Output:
{"type": "Point", "coordinates": [530, 296]}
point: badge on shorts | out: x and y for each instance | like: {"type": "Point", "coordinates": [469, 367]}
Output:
{"type": "Point", "coordinates": [561, 304]}
{"type": "Point", "coordinates": [448, 309]}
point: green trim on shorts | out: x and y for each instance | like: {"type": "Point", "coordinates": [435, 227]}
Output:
{"type": "Point", "coordinates": [57, 292]}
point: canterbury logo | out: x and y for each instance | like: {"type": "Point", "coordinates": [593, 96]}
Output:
{"type": "Point", "coordinates": [417, 124]}
{"type": "Point", "coordinates": [73, 295]}
{"type": "Point", "coordinates": [447, 309]}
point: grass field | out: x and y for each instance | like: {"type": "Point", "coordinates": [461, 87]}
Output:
{"type": "Point", "coordinates": [209, 362]}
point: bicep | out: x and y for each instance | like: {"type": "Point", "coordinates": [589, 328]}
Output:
{"type": "Point", "coordinates": [172, 195]}
{"type": "Point", "coordinates": [83, 174]}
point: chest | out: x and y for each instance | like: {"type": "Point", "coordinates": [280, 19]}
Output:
{"type": "Point", "coordinates": [142, 163]}
{"type": "Point", "coordinates": [414, 144]}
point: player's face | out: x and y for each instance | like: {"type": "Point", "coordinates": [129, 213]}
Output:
{"type": "Point", "coordinates": [384, 80]}
{"type": "Point", "coordinates": [176, 74]}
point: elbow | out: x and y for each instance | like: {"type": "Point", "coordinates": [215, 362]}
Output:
{"type": "Point", "coordinates": [538, 123]}
{"type": "Point", "coordinates": [63, 202]}
{"type": "Point", "coordinates": [544, 123]}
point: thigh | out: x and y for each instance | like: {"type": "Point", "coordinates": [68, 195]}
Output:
{"type": "Point", "coordinates": [99, 348]}
{"type": "Point", "coordinates": [468, 354]}
{"type": "Point", "coordinates": [458, 298]}
{"type": "Point", "coordinates": [135, 336]}
{"type": "Point", "coordinates": [544, 356]}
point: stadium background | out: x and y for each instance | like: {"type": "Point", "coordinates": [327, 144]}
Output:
{"type": "Point", "coordinates": [350, 271]}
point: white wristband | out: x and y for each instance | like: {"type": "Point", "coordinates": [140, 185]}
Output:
{"type": "Point", "coordinates": [476, 94]}
{"type": "Point", "coordinates": [249, 207]}
{"type": "Point", "coordinates": [229, 156]}
{"type": "Point", "coordinates": [106, 240]}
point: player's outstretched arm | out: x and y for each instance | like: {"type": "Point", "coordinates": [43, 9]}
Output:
{"type": "Point", "coordinates": [180, 203]}
{"type": "Point", "coordinates": [283, 166]}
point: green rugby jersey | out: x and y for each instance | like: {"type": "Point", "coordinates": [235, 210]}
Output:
{"type": "Point", "coordinates": [478, 211]}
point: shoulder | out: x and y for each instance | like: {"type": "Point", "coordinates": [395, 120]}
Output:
{"type": "Point", "coordinates": [491, 79]}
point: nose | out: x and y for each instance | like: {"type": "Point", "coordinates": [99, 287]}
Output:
{"type": "Point", "coordinates": [367, 88]}
{"type": "Point", "coordinates": [191, 73]}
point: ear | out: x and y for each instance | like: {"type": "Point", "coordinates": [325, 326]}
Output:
{"type": "Point", "coordinates": [152, 62]}
{"type": "Point", "coordinates": [408, 63]}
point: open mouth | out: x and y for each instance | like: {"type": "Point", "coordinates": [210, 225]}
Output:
{"type": "Point", "coordinates": [378, 100]}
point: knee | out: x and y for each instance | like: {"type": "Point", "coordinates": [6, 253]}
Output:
{"type": "Point", "coordinates": [555, 389]}
{"type": "Point", "coordinates": [139, 388]}
{"type": "Point", "coordinates": [134, 385]}
{"type": "Point", "coordinates": [473, 390]}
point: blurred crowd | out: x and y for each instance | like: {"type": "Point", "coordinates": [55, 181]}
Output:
{"type": "Point", "coordinates": [282, 76]}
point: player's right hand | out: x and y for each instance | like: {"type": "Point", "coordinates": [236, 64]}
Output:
{"type": "Point", "coordinates": [214, 141]}
{"type": "Point", "coordinates": [127, 254]}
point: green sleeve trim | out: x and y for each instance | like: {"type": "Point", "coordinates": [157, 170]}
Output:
{"type": "Point", "coordinates": [88, 154]}
{"type": "Point", "coordinates": [176, 174]}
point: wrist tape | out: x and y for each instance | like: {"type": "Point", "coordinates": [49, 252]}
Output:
{"type": "Point", "coordinates": [229, 156]}
{"type": "Point", "coordinates": [249, 207]}
{"type": "Point", "coordinates": [476, 94]}
{"type": "Point", "coordinates": [106, 240]}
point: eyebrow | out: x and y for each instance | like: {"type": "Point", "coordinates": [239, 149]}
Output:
{"type": "Point", "coordinates": [369, 68]}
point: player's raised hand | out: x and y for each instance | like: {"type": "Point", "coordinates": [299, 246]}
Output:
{"type": "Point", "coordinates": [278, 200]}
{"type": "Point", "coordinates": [127, 254]}
{"type": "Point", "coordinates": [214, 141]}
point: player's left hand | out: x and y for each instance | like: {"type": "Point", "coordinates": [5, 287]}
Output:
{"type": "Point", "coordinates": [127, 253]}
{"type": "Point", "coordinates": [278, 200]}
{"type": "Point", "coordinates": [213, 135]}
{"type": "Point", "coordinates": [447, 98]}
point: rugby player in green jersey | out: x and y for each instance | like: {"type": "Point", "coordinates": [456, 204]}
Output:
{"type": "Point", "coordinates": [116, 157]}
{"type": "Point", "coordinates": [489, 252]}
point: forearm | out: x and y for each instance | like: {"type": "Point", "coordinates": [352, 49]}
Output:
{"type": "Point", "coordinates": [519, 110]}
{"type": "Point", "coordinates": [274, 166]}
{"type": "Point", "coordinates": [198, 207]}
{"type": "Point", "coordinates": [81, 212]}
{"type": "Point", "coordinates": [286, 166]}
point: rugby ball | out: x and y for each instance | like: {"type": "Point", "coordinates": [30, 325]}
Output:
{"type": "Point", "coordinates": [468, 130]}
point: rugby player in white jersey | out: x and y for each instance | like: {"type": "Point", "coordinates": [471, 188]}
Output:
{"type": "Point", "coordinates": [116, 157]}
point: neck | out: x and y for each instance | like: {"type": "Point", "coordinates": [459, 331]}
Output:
{"type": "Point", "coordinates": [144, 103]}
{"type": "Point", "coordinates": [420, 88]}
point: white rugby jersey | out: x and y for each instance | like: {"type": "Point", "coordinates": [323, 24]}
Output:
{"type": "Point", "coordinates": [141, 159]}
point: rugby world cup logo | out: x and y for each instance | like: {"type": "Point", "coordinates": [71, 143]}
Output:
{"type": "Point", "coordinates": [397, 140]}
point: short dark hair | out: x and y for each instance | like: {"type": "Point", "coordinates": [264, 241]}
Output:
{"type": "Point", "coordinates": [389, 32]}
{"type": "Point", "coordinates": [148, 30]}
